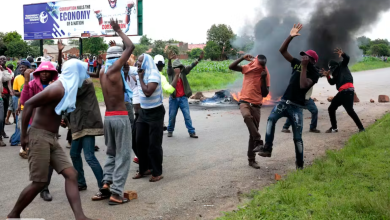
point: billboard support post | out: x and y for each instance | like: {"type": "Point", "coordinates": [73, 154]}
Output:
{"type": "Point", "coordinates": [81, 47]}
{"type": "Point", "coordinates": [41, 48]}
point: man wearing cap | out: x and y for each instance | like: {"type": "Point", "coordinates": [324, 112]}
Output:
{"type": "Point", "coordinates": [117, 128]}
{"type": "Point", "coordinates": [304, 75]}
{"type": "Point", "coordinates": [179, 98]}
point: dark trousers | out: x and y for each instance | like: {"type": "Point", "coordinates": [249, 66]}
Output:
{"type": "Point", "coordinates": [251, 117]}
{"type": "Point", "coordinates": [295, 115]}
{"type": "Point", "coordinates": [149, 137]}
{"type": "Point", "coordinates": [345, 99]}
{"type": "Point", "coordinates": [6, 105]}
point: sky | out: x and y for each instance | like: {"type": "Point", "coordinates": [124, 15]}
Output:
{"type": "Point", "coordinates": [187, 21]}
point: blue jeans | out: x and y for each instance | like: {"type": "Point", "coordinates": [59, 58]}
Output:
{"type": "Point", "coordinates": [91, 69]}
{"type": "Point", "coordinates": [295, 115]}
{"type": "Point", "coordinates": [86, 143]}
{"type": "Point", "coordinates": [174, 105]}
{"type": "Point", "coordinates": [312, 108]}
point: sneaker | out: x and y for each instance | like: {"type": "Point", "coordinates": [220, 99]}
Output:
{"type": "Point", "coordinates": [315, 130]}
{"type": "Point", "coordinates": [299, 165]}
{"type": "Point", "coordinates": [331, 130]}
{"type": "Point", "coordinates": [136, 160]}
{"type": "Point", "coordinates": [23, 155]}
{"type": "Point", "coordinates": [362, 130]}
{"type": "Point", "coordinates": [170, 134]}
{"type": "Point", "coordinates": [254, 164]}
{"type": "Point", "coordinates": [286, 131]}
{"type": "Point", "coordinates": [193, 135]}
{"type": "Point", "coordinates": [265, 151]}
{"type": "Point", "coordinates": [2, 144]}
{"type": "Point", "coordinates": [259, 145]}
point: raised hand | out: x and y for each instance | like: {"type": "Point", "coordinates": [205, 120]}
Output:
{"type": "Point", "coordinates": [60, 45]}
{"type": "Point", "coordinates": [115, 25]}
{"type": "Point", "coordinates": [171, 55]}
{"type": "Point", "coordinates": [338, 51]}
{"type": "Point", "coordinates": [295, 30]}
{"type": "Point", "coordinates": [27, 75]}
{"type": "Point", "coordinates": [112, 43]}
{"type": "Point", "coordinates": [305, 60]}
{"type": "Point", "coordinates": [248, 57]}
{"type": "Point", "coordinates": [323, 72]}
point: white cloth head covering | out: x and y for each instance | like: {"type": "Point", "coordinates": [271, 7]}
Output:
{"type": "Point", "coordinates": [74, 72]}
{"type": "Point", "coordinates": [114, 52]}
{"type": "Point", "coordinates": [148, 65]}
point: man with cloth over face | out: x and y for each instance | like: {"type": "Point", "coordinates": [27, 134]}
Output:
{"type": "Point", "coordinates": [304, 75]}
{"type": "Point", "coordinates": [251, 98]}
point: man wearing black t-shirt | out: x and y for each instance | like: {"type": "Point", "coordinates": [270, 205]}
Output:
{"type": "Point", "coordinates": [304, 76]}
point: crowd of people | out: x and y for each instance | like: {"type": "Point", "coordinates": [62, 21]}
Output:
{"type": "Point", "coordinates": [55, 94]}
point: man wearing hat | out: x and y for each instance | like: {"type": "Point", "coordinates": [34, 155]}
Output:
{"type": "Point", "coordinates": [304, 75]}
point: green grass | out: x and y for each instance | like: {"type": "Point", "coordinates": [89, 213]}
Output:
{"type": "Point", "coordinates": [198, 81]}
{"type": "Point", "coordinates": [369, 63]}
{"type": "Point", "coordinates": [352, 183]}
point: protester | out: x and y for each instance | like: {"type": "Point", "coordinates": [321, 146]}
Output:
{"type": "Point", "coordinates": [11, 107]}
{"type": "Point", "coordinates": [137, 107]}
{"type": "Point", "coordinates": [5, 76]}
{"type": "Point", "coordinates": [311, 106]}
{"type": "Point", "coordinates": [90, 62]}
{"type": "Point", "coordinates": [17, 70]}
{"type": "Point", "coordinates": [7, 94]}
{"type": "Point", "coordinates": [99, 64]}
{"type": "Point", "coordinates": [343, 80]}
{"type": "Point", "coordinates": [41, 141]}
{"type": "Point", "coordinates": [83, 134]}
{"type": "Point", "coordinates": [179, 98]}
{"type": "Point", "coordinates": [304, 75]}
{"type": "Point", "coordinates": [43, 76]}
{"type": "Point", "coordinates": [116, 123]}
{"type": "Point", "coordinates": [17, 87]}
{"type": "Point", "coordinates": [256, 78]}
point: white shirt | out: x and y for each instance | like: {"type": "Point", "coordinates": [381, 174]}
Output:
{"type": "Point", "coordinates": [5, 76]}
{"type": "Point", "coordinates": [309, 93]}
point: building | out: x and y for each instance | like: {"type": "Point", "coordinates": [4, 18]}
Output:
{"type": "Point", "coordinates": [184, 48]}
{"type": "Point", "coordinates": [52, 51]}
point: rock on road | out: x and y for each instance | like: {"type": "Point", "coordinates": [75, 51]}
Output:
{"type": "Point", "coordinates": [203, 177]}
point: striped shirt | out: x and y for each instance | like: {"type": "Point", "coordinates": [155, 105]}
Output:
{"type": "Point", "coordinates": [156, 99]}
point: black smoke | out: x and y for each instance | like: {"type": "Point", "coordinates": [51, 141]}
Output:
{"type": "Point", "coordinates": [327, 24]}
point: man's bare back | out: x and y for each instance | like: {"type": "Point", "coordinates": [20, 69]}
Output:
{"type": "Point", "coordinates": [113, 92]}
{"type": "Point", "coordinates": [111, 80]}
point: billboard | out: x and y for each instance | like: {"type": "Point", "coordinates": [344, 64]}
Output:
{"type": "Point", "coordinates": [67, 19]}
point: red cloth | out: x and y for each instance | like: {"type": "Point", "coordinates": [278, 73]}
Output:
{"type": "Point", "coordinates": [346, 86]}
{"type": "Point", "coordinates": [116, 113]}
{"type": "Point", "coordinates": [5, 91]}
{"type": "Point", "coordinates": [180, 89]}
{"type": "Point", "coordinates": [95, 63]}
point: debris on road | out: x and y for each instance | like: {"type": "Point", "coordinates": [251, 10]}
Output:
{"type": "Point", "coordinates": [372, 100]}
{"type": "Point", "coordinates": [278, 177]}
{"type": "Point", "coordinates": [322, 103]}
{"type": "Point", "coordinates": [131, 195]}
{"type": "Point", "coordinates": [198, 95]}
{"type": "Point", "coordinates": [383, 98]}
{"type": "Point", "coordinates": [315, 100]}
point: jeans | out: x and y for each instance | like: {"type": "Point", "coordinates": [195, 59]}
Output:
{"type": "Point", "coordinates": [344, 98]}
{"type": "Point", "coordinates": [91, 69]}
{"type": "Point", "coordinates": [2, 118]}
{"type": "Point", "coordinates": [86, 143]}
{"type": "Point", "coordinates": [312, 108]}
{"type": "Point", "coordinates": [174, 105]}
{"type": "Point", "coordinates": [295, 115]}
{"type": "Point", "coordinates": [15, 138]}
{"type": "Point", "coordinates": [251, 117]}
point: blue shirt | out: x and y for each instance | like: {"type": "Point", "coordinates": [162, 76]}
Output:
{"type": "Point", "coordinates": [156, 99]}
{"type": "Point", "coordinates": [44, 86]}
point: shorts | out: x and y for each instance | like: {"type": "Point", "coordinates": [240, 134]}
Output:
{"type": "Point", "coordinates": [44, 150]}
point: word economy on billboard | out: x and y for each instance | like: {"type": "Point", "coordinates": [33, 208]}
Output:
{"type": "Point", "coordinates": [74, 17]}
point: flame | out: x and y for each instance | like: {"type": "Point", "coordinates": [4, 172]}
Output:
{"type": "Point", "coordinates": [237, 95]}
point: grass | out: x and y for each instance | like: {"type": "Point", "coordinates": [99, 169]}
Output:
{"type": "Point", "coordinates": [198, 81]}
{"type": "Point", "coordinates": [352, 183]}
{"type": "Point", "coordinates": [369, 63]}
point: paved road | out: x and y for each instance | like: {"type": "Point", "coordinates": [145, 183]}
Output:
{"type": "Point", "coordinates": [202, 177]}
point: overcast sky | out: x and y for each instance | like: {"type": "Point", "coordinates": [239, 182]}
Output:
{"type": "Point", "coordinates": [186, 21]}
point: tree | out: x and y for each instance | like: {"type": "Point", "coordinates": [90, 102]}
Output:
{"type": "Point", "coordinates": [380, 41]}
{"type": "Point", "coordinates": [140, 49]}
{"type": "Point", "coordinates": [3, 46]}
{"type": "Point", "coordinates": [12, 37]}
{"type": "Point", "coordinates": [17, 48]}
{"type": "Point", "coordinates": [212, 50]}
{"type": "Point", "coordinates": [33, 51]}
{"type": "Point", "coordinates": [363, 41]}
{"type": "Point", "coordinates": [145, 40]}
{"type": "Point", "coordinates": [159, 48]}
{"type": "Point", "coordinates": [379, 49]}
{"type": "Point", "coordinates": [172, 41]}
{"type": "Point", "coordinates": [173, 48]}
{"type": "Point", "coordinates": [75, 42]}
{"type": "Point", "coordinates": [36, 43]}
{"type": "Point", "coordinates": [244, 43]}
{"type": "Point", "coordinates": [221, 35]}
{"type": "Point", "coordinates": [94, 45]}
{"type": "Point", "coordinates": [195, 53]}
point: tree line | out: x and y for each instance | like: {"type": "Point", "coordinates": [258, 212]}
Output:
{"type": "Point", "coordinates": [378, 47]}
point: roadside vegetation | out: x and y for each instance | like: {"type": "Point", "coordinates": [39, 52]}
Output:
{"type": "Point", "coordinates": [369, 63]}
{"type": "Point", "coordinates": [352, 183]}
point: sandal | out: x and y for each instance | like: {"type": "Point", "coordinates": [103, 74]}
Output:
{"type": "Point", "coordinates": [82, 188]}
{"type": "Point", "coordinates": [117, 202]}
{"type": "Point", "coordinates": [138, 176]}
{"type": "Point", "coordinates": [155, 179]}
{"type": "Point", "coordinates": [97, 148]}
{"type": "Point", "coordinates": [106, 189]}
{"type": "Point", "coordinates": [148, 173]}
{"type": "Point", "coordinates": [100, 196]}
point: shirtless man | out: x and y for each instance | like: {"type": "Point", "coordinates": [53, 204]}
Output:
{"type": "Point", "coordinates": [41, 140]}
{"type": "Point", "coordinates": [117, 127]}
